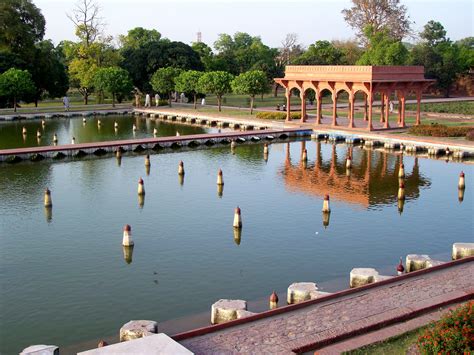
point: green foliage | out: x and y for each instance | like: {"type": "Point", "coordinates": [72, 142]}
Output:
{"type": "Point", "coordinates": [188, 82]}
{"type": "Point", "coordinates": [243, 52]}
{"type": "Point", "coordinates": [277, 115]}
{"type": "Point", "coordinates": [163, 81]}
{"type": "Point", "coordinates": [113, 80]}
{"type": "Point", "coordinates": [138, 37]}
{"type": "Point", "coordinates": [383, 49]}
{"type": "Point", "coordinates": [16, 84]}
{"type": "Point", "coordinates": [351, 51]}
{"type": "Point", "coordinates": [439, 130]}
{"type": "Point", "coordinates": [321, 53]}
{"type": "Point", "coordinates": [452, 334]}
{"type": "Point", "coordinates": [442, 58]}
{"type": "Point", "coordinates": [144, 61]}
{"type": "Point", "coordinates": [21, 26]}
{"type": "Point", "coordinates": [250, 83]}
{"type": "Point", "coordinates": [217, 83]}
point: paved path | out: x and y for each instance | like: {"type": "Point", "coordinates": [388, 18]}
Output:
{"type": "Point", "coordinates": [321, 323]}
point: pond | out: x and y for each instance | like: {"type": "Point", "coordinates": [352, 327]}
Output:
{"type": "Point", "coordinates": [66, 280]}
{"type": "Point", "coordinates": [11, 133]}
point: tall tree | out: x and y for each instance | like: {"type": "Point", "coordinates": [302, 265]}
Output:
{"type": "Point", "coordinates": [290, 49]}
{"type": "Point", "coordinates": [217, 83]}
{"type": "Point", "coordinates": [188, 82]}
{"type": "Point", "coordinates": [21, 26]}
{"type": "Point", "coordinates": [320, 53]}
{"type": "Point", "coordinates": [383, 49]}
{"type": "Point", "coordinates": [138, 37]}
{"type": "Point", "coordinates": [250, 83]}
{"type": "Point", "coordinates": [16, 84]}
{"type": "Point", "coordinates": [440, 56]}
{"type": "Point", "coordinates": [350, 49]}
{"type": "Point", "coordinates": [163, 81]}
{"type": "Point", "coordinates": [381, 15]}
{"type": "Point", "coordinates": [86, 18]}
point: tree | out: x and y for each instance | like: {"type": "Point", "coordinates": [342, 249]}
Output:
{"type": "Point", "coordinates": [383, 49]}
{"type": "Point", "coordinates": [320, 53]}
{"type": "Point", "coordinates": [113, 80]}
{"type": "Point", "coordinates": [86, 18]}
{"type": "Point", "coordinates": [188, 82]}
{"type": "Point", "coordinates": [242, 52]}
{"type": "Point", "coordinates": [163, 81]}
{"type": "Point", "coordinates": [250, 83]}
{"type": "Point", "coordinates": [381, 15]}
{"type": "Point", "coordinates": [138, 37]}
{"type": "Point", "coordinates": [144, 61]}
{"type": "Point", "coordinates": [217, 83]}
{"type": "Point", "coordinates": [49, 72]}
{"type": "Point", "coordinates": [21, 26]}
{"type": "Point", "coordinates": [290, 49]}
{"type": "Point", "coordinates": [350, 49]}
{"type": "Point", "coordinates": [16, 83]}
{"type": "Point", "coordinates": [442, 59]}
{"type": "Point", "coordinates": [466, 52]}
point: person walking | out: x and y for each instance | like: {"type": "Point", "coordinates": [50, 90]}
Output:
{"type": "Point", "coordinates": [147, 100]}
{"type": "Point", "coordinates": [157, 99]}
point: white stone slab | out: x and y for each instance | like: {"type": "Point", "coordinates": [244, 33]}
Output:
{"type": "Point", "coordinates": [159, 344]}
{"type": "Point", "coordinates": [41, 350]}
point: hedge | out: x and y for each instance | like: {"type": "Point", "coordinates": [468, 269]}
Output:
{"type": "Point", "coordinates": [439, 130]}
{"type": "Point", "coordinates": [277, 115]}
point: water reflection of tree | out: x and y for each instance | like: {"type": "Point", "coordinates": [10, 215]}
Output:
{"type": "Point", "coordinates": [372, 180]}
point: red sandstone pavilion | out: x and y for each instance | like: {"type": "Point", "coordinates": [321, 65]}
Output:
{"type": "Point", "coordinates": [386, 81]}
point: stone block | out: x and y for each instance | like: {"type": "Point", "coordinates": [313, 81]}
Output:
{"type": "Point", "coordinates": [362, 276]}
{"type": "Point", "coordinates": [156, 344]}
{"type": "Point", "coordinates": [41, 350]}
{"type": "Point", "coordinates": [302, 291]}
{"type": "Point", "coordinates": [416, 262]}
{"type": "Point", "coordinates": [137, 329]}
{"type": "Point", "coordinates": [462, 250]}
{"type": "Point", "coordinates": [226, 310]}
{"type": "Point", "coordinates": [244, 314]}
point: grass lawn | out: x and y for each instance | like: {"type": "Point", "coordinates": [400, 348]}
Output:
{"type": "Point", "coordinates": [397, 345]}
{"type": "Point", "coordinates": [461, 107]}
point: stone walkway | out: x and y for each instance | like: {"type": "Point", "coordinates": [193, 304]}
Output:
{"type": "Point", "coordinates": [320, 324]}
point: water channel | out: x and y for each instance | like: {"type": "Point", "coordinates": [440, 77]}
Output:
{"type": "Point", "coordinates": [64, 277]}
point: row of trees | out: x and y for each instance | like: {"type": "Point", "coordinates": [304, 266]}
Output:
{"type": "Point", "coordinates": [219, 83]}
{"type": "Point", "coordinates": [381, 26]}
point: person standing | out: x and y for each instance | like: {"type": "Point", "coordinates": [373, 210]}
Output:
{"type": "Point", "coordinates": [157, 99]}
{"type": "Point", "coordinates": [66, 103]}
{"type": "Point", "coordinates": [147, 100]}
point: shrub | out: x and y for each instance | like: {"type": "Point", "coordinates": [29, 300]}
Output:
{"type": "Point", "coordinates": [452, 334]}
{"type": "Point", "coordinates": [470, 135]}
{"type": "Point", "coordinates": [439, 130]}
{"type": "Point", "coordinates": [277, 115]}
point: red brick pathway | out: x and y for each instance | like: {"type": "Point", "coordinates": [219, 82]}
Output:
{"type": "Point", "coordinates": [320, 324]}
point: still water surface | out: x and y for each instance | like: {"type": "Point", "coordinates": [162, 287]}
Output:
{"type": "Point", "coordinates": [64, 280]}
{"type": "Point", "coordinates": [11, 133]}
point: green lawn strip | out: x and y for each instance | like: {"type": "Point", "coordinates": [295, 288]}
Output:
{"type": "Point", "coordinates": [460, 107]}
{"type": "Point", "coordinates": [397, 345]}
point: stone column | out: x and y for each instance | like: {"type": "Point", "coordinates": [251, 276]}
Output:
{"type": "Point", "coordinates": [370, 99]}
{"type": "Point", "coordinates": [319, 106]}
{"type": "Point", "coordinates": [288, 104]}
{"type": "Point", "coordinates": [334, 108]}
{"type": "Point", "coordinates": [303, 105]}
{"type": "Point", "coordinates": [418, 103]}
{"type": "Point", "coordinates": [351, 110]}
{"type": "Point", "coordinates": [402, 110]}
{"type": "Point", "coordinates": [387, 110]}
{"type": "Point", "coordinates": [382, 106]}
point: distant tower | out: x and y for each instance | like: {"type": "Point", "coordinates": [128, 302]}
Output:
{"type": "Point", "coordinates": [199, 37]}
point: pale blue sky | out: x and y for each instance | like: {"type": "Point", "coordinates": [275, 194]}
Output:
{"type": "Point", "coordinates": [312, 20]}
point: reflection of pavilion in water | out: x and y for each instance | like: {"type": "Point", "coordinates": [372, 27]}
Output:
{"type": "Point", "coordinates": [372, 180]}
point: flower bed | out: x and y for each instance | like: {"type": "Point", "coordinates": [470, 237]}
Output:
{"type": "Point", "coordinates": [452, 334]}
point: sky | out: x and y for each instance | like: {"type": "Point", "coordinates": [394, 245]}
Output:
{"type": "Point", "coordinates": [311, 20]}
